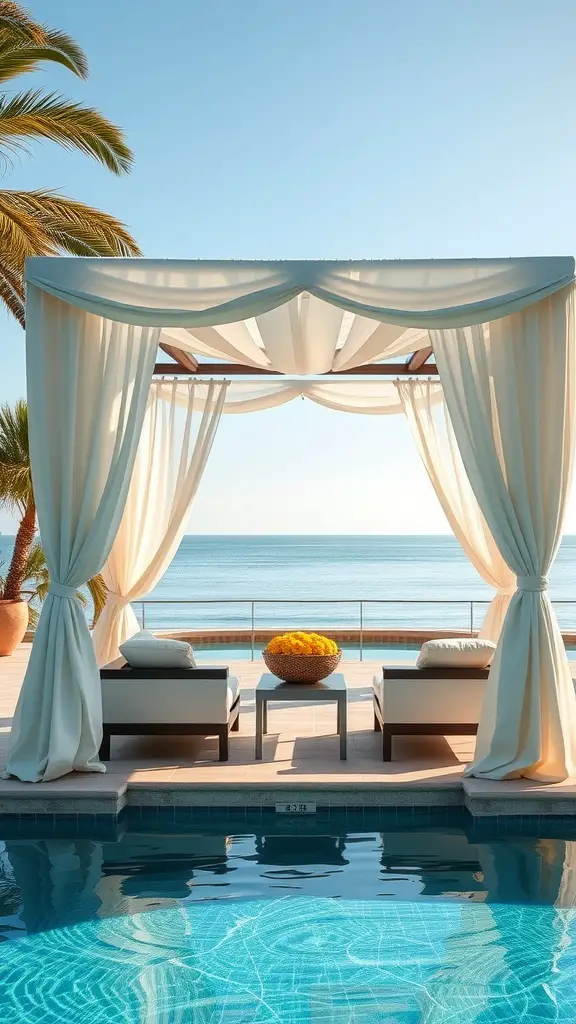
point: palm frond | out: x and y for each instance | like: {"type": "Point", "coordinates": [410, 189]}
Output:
{"type": "Point", "coordinates": [37, 115]}
{"type": "Point", "coordinates": [68, 222]}
{"type": "Point", "coordinates": [24, 58]}
{"type": "Point", "coordinates": [37, 581]}
{"type": "Point", "coordinates": [37, 585]}
{"type": "Point", "coordinates": [13, 302]}
{"type": "Point", "coordinates": [16, 21]}
{"type": "Point", "coordinates": [43, 223]}
{"type": "Point", "coordinates": [33, 615]}
{"type": "Point", "coordinates": [18, 27]}
{"type": "Point", "coordinates": [12, 277]}
{"type": "Point", "coordinates": [99, 593]}
{"type": "Point", "coordinates": [15, 476]}
{"type": "Point", "coordinates": [69, 47]}
{"type": "Point", "coordinates": [37, 576]}
{"type": "Point", "coordinates": [21, 234]}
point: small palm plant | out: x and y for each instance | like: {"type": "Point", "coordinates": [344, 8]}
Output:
{"type": "Point", "coordinates": [27, 578]}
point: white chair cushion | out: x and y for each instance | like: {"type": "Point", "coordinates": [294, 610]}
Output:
{"type": "Point", "coordinates": [457, 653]}
{"type": "Point", "coordinates": [422, 700]}
{"type": "Point", "coordinates": [165, 700]}
{"type": "Point", "coordinates": [144, 650]}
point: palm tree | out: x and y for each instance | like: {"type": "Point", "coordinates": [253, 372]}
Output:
{"type": "Point", "coordinates": [42, 222]}
{"type": "Point", "coordinates": [27, 576]}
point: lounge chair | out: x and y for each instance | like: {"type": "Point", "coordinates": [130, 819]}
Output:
{"type": "Point", "coordinates": [168, 702]}
{"type": "Point", "coordinates": [427, 702]}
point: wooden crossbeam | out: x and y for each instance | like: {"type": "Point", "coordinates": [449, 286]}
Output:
{"type": "Point", "coordinates": [416, 361]}
{"type": "Point", "coordinates": [240, 370]}
{"type": "Point", "coordinates": [185, 360]}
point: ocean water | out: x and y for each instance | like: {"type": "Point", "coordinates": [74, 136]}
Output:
{"type": "Point", "coordinates": [418, 917]}
{"type": "Point", "coordinates": [227, 573]}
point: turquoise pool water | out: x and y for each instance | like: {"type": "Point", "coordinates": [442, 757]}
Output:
{"type": "Point", "coordinates": [393, 653]}
{"type": "Point", "coordinates": [360, 919]}
{"type": "Point", "coordinates": [350, 652]}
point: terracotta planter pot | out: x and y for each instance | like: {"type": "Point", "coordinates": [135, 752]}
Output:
{"type": "Point", "coordinates": [13, 625]}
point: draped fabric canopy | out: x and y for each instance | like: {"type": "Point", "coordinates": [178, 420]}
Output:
{"type": "Point", "coordinates": [376, 398]}
{"type": "Point", "coordinates": [301, 317]}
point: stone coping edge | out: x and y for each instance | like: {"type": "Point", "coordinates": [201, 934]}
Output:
{"type": "Point", "coordinates": [262, 796]}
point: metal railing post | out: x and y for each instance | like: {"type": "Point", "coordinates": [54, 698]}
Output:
{"type": "Point", "coordinates": [471, 616]}
{"type": "Point", "coordinates": [361, 630]}
{"type": "Point", "coordinates": [143, 615]}
{"type": "Point", "coordinates": [252, 628]}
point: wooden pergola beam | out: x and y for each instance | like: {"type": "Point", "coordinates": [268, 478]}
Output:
{"type": "Point", "coordinates": [186, 362]}
{"type": "Point", "coordinates": [416, 361]}
{"type": "Point", "coordinates": [240, 370]}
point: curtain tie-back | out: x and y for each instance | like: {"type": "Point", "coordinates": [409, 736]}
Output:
{"type": "Point", "coordinates": [59, 590]}
{"type": "Point", "coordinates": [536, 584]}
{"type": "Point", "coordinates": [507, 591]}
{"type": "Point", "coordinates": [116, 599]}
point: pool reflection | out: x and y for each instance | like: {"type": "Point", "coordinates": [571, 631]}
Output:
{"type": "Point", "coordinates": [48, 883]}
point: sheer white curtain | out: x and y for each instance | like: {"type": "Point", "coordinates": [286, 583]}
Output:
{"type": "Point", "coordinates": [510, 391]}
{"type": "Point", "coordinates": [436, 443]}
{"type": "Point", "coordinates": [174, 446]}
{"type": "Point", "coordinates": [88, 382]}
{"type": "Point", "coordinates": [370, 397]}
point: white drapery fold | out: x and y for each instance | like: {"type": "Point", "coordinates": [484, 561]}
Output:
{"type": "Point", "coordinates": [88, 382]}
{"type": "Point", "coordinates": [208, 293]}
{"type": "Point", "coordinates": [299, 316]}
{"type": "Point", "coordinates": [510, 392]}
{"type": "Point", "coordinates": [175, 443]}
{"type": "Point", "coordinates": [437, 446]}
{"type": "Point", "coordinates": [303, 336]}
{"type": "Point", "coordinates": [376, 398]}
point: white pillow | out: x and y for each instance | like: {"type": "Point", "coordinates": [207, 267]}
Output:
{"type": "Point", "coordinates": [144, 650]}
{"type": "Point", "coordinates": [457, 653]}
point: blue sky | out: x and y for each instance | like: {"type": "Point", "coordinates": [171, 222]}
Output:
{"type": "Point", "coordinates": [322, 128]}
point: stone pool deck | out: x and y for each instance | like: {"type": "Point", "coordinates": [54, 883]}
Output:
{"type": "Point", "coordinates": [300, 762]}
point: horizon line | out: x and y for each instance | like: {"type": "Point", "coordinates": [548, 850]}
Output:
{"type": "Point", "coordinates": [317, 535]}
{"type": "Point", "coordinates": [326, 535]}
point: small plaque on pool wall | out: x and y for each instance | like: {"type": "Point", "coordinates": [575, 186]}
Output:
{"type": "Point", "coordinates": [295, 808]}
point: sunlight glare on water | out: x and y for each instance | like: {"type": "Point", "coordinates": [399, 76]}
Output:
{"type": "Point", "coordinates": [299, 961]}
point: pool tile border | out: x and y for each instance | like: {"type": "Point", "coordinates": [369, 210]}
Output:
{"type": "Point", "coordinates": [245, 818]}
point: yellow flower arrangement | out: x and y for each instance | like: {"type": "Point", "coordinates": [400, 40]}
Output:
{"type": "Point", "coordinates": [302, 643]}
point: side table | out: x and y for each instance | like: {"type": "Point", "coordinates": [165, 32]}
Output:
{"type": "Point", "coordinates": [332, 688]}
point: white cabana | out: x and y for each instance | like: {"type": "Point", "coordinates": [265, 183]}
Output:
{"type": "Point", "coordinates": [503, 336]}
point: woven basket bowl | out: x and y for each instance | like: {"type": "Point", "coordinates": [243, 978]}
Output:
{"type": "Point", "coordinates": [302, 668]}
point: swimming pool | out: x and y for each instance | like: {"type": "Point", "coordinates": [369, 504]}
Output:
{"type": "Point", "coordinates": [350, 651]}
{"type": "Point", "coordinates": [371, 651]}
{"type": "Point", "coordinates": [365, 918]}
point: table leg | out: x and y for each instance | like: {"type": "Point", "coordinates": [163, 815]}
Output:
{"type": "Point", "coordinates": [343, 721]}
{"type": "Point", "coordinates": [264, 716]}
{"type": "Point", "coordinates": [259, 725]}
{"type": "Point", "coordinates": [338, 717]}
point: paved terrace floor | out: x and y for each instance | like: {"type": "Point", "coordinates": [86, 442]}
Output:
{"type": "Point", "coordinates": [300, 755]}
